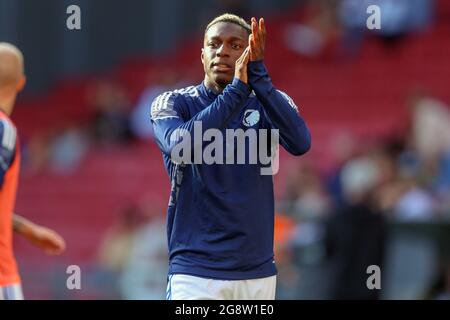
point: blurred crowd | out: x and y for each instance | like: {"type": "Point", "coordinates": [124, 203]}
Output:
{"type": "Point", "coordinates": [336, 28]}
{"type": "Point", "coordinates": [343, 215]}
{"type": "Point", "coordinates": [323, 28]}
{"type": "Point", "coordinates": [112, 120]}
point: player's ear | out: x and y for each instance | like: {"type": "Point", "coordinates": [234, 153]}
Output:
{"type": "Point", "coordinates": [202, 57]}
{"type": "Point", "coordinates": [21, 83]}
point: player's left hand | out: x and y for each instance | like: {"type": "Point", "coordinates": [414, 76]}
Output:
{"type": "Point", "coordinates": [47, 240]}
{"type": "Point", "coordinates": [257, 40]}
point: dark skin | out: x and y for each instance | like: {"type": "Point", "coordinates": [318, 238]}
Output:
{"type": "Point", "coordinates": [227, 48]}
{"type": "Point", "coordinates": [257, 40]}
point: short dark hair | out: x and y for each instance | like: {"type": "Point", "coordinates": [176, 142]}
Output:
{"type": "Point", "coordinates": [230, 18]}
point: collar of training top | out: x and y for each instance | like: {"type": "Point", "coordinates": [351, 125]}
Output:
{"type": "Point", "coordinates": [209, 92]}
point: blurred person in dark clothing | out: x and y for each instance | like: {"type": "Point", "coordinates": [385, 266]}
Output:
{"type": "Point", "coordinates": [110, 114]}
{"type": "Point", "coordinates": [440, 288]}
{"type": "Point", "coordinates": [355, 234]}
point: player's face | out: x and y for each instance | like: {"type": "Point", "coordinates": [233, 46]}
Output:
{"type": "Point", "coordinates": [223, 45]}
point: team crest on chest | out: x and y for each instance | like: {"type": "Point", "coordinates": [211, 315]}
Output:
{"type": "Point", "coordinates": [251, 117]}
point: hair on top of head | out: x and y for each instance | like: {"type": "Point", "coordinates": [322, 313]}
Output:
{"type": "Point", "coordinates": [230, 18]}
{"type": "Point", "coordinates": [12, 49]}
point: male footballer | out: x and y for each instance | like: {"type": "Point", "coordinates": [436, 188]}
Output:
{"type": "Point", "coordinates": [220, 219]}
{"type": "Point", "coordinates": [12, 81]}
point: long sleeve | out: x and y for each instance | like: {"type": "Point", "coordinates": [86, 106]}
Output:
{"type": "Point", "coordinates": [281, 110]}
{"type": "Point", "coordinates": [167, 119]}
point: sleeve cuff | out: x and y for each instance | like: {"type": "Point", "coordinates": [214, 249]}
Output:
{"type": "Point", "coordinates": [257, 67]}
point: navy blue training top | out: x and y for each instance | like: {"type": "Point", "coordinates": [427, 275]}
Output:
{"type": "Point", "coordinates": [220, 218]}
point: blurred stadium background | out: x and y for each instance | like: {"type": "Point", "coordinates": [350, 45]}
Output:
{"type": "Point", "coordinates": [377, 103]}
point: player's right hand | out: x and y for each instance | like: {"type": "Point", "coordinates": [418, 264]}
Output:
{"type": "Point", "coordinates": [240, 70]}
{"type": "Point", "coordinates": [48, 240]}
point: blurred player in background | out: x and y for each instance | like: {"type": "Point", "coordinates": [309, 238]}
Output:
{"type": "Point", "coordinates": [12, 81]}
{"type": "Point", "coordinates": [220, 219]}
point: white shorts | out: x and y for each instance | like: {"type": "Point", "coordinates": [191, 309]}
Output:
{"type": "Point", "coordinates": [186, 287]}
{"type": "Point", "coordinates": [12, 292]}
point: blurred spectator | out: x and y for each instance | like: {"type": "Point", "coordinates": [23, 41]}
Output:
{"type": "Point", "coordinates": [356, 233]}
{"type": "Point", "coordinates": [430, 139]}
{"type": "Point", "coordinates": [440, 289]}
{"type": "Point", "coordinates": [306, 204]}
{"type": "Point", "coordinates": [144, 276]}
{"type": "Point", "coordinates": [287, 279]}
{"type": "Point", "coordinates": [316, 32]}
{"type": "Point", "coordinates": [430, 125]}
{"type": "Point", "coordinates": [160, 80]}
{"type": "Point", "coordinates": [36, 152]}
{"type": "Point", "coordinates": [68, 149]}
{"type": "Point", "coordinates": [305, 195]}
{"type": "Point", "coordinates": [414, 204]}
{"type": "Point", "coordinates": [441, 185]}
{"type": "Point", "coordinates": [109, 104]}
{"type": "Point", "coordinates": [115, 248]}
{"type": "Point", "coordinates": [342, 147]}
